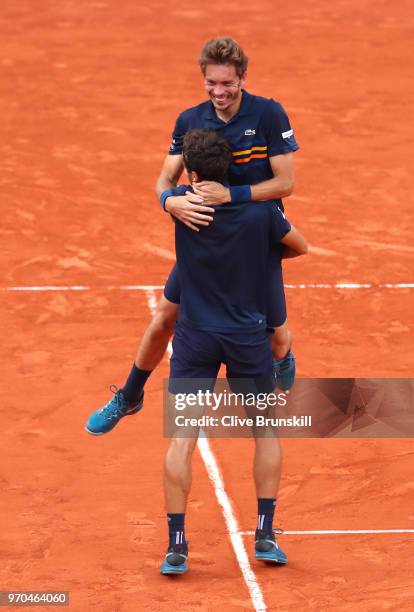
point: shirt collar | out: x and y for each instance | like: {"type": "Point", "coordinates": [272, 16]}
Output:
{"type": "Point", "coordinates": [246, 101]}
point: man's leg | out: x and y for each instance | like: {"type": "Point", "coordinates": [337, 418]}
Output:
{"type": "Point", "coordinates": [157, 335]}
{"type": "Point", "coordinates": [194, 366]}
{"type": "Point", "coordinates": [249, 359]}
{"type": "Point", "coordinates": [129, 399]}
{"type": "Point", "coordinates": [178, 473]}
{"type": "Point", "coordinates": [284, 361]}
{"type": "Point", "coordinates": [281, 341]}
{"type": "Point", "coordinates": [284, 366]}
{"type": "Point", "coordinates": [267, 468]}
{"type": "Point", "coordinates": [177, 485]}
{"type": "Point", "coordinates": [151, 349]}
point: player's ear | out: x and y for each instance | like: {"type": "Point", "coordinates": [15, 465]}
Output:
{"type": "Point", "coordinates": [243, 79]}
{"type": "Point", "coordinates": [193, 176]}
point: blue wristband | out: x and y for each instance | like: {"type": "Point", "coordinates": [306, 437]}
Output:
{"type": "Point", "coordinates": [163, 197]}
{"type": "Point", "coordinates": [241, 193]}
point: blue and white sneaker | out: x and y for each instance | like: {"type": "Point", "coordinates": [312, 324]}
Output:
{"type": "Point", "coordinates": [104, 419]}
{"type": "Point", "coordinates": [285, 371]}
{"type": "Point", "coordinates": [175, 560]}
{"type": "Point", "coordinates": [267, 549]}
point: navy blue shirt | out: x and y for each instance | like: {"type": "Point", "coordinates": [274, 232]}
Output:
{"type": "Point", "coordinates": [258, 131]}
{"type": "Point", "coordinates": [224, 268]}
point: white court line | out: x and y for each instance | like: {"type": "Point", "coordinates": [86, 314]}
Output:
{"type": "Point", "coordinates": [235, 534]}
{"type": "Point", "coordinates": [338, 531]}
{"type": "Point", "coordinates": [152, 300]}
{"type": "Point", "coordinates": [350, 286]}
{"type": "Point", "coordinates": [214, 474]}
{"type": "Point", "coordinates": [46, 288]}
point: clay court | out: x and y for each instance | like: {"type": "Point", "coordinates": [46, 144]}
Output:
{"type": "Point", "coordinates": [89, 95]}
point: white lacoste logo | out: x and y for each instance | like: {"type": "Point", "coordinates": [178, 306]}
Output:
{"type": "Point", "coordinates": [287, 134]}
{"type": "Point", "coordinates": [250, 132]}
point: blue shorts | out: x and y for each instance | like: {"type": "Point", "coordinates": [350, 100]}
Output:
{"type": "Point", "coordinates": [276, 302]}
{"type": "Point", "coordinates": [199, 354]}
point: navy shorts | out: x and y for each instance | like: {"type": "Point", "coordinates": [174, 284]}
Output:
{"type": "Point", "coordinates": [199, 354]}
{"type": "Point", "coordinates": [276, 303]}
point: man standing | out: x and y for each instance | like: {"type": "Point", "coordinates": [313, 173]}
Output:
{"type": "Point", "coordinates": [223, 272]}
{"type": "Point", "coordinates": [262, 144]}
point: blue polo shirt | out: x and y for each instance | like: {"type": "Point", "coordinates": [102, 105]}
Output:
{"type": "Point", "coordinates": [258, 131]}
{"type": "Point", "coordinates": [224, 269]}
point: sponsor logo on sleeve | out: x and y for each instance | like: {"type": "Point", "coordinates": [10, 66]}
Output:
{"type": "Point", "coordinates": [287, 134]}
{"type": "Point", "coordinates": [250, 132]}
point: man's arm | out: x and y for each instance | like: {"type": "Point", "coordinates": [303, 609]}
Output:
{"type": "Point", "coordinates": [280, 186]}
{"type": "Point", "coordinates": [294, 244]}
{"type": "Point", "coordinates": [187, 208]}
{"type": "Point", "coordinates": [171, 171]}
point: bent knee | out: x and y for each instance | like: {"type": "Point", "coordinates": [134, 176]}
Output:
{"type": "Point", "coordinates": [165, 316]}
{"type": "Point", "coordinates": [280, 350]}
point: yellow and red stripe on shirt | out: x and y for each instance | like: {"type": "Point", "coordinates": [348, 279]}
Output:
{"type": "Point", "coordinates": [252, 153]}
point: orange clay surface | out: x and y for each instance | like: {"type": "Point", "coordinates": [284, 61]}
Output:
{"type": "Point", "coordinates": [89, 93]}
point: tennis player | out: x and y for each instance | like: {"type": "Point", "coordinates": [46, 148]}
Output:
{"type": "Point", "coordinates": [223, 271]}
{"type": "Point", "coordinates": [262, 143]}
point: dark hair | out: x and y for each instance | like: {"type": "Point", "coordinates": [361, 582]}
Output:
{"type": "Point", "coordinates": [223, 50]}
{"type": "Point", "coordinates": [206, 153]}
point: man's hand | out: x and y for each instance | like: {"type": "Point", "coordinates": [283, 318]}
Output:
{"type": "Point", "coordinates": [189, 209]}
{"type": "Point", "coordinates": [212, 192]}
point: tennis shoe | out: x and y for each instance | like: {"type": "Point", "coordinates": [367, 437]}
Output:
{"type": "Point", "coordinates": [175, 561]}
{"type": "Point", "coordinates": [104, 419]}
{"type": "Point", "coordinates": [267, 549]}
{"type": "Point", "coordinates": [284, 371]}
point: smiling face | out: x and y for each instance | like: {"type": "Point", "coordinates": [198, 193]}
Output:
{"type": "Point", "coordinates": [224, 88]}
